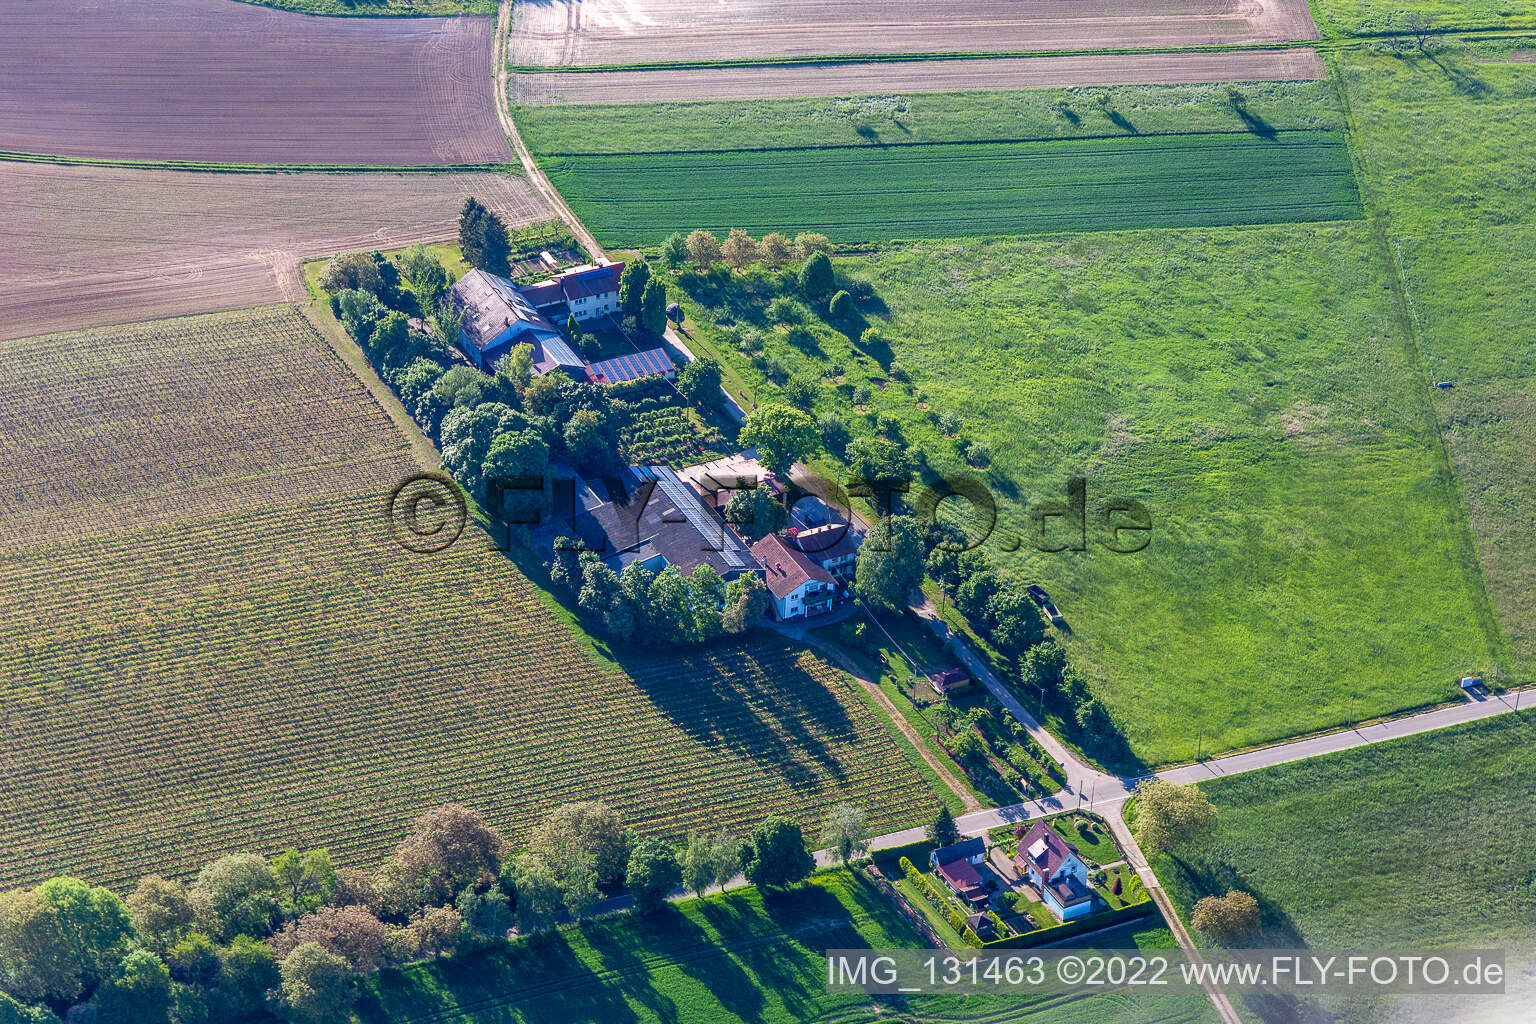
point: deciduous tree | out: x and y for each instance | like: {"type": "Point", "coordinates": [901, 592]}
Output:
{"type": "Point", "coordinates": [703, 249]}
{"type": "Point", "coordinates": [781, 434]}
{"type": "Point", "coordinates": [236, 895]}
{"type": "Point", "coordinates": [699, 381]}
{"type": "Point", "coordinates": [776, 854]}
{"type": "Point", "coordinates": [652, 874]}
{"type": "Point", "coordinates": [739, 249]}
{"type": "Point", "coordinates": [846, 832]}
{"type": "Point", "coordinates": [590, 827]}
{"type": "Point", "coordinates": [1228, 919]}
{"type": "Point", "coordinates": [161, 911]}
{"type": "Point", "coordinates": [776, 249]}
{"type": "Point", "coordinates": [316, 986]}
{"type": "Point", "coordinates": [889, 565]}
{"type": "Point", "coordinates": [1169, 815]}
{"type": "Point", "coordinates": [674, 251]}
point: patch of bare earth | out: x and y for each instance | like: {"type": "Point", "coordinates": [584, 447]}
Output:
{"type": "Point", "coordinates": [576, 32]}
{"type": "Point", "coordinates": [914, 77]}
{"type": "Point", "coordinates": [87, 246]}
{"type": "Point", "coordinates": [235, 83]}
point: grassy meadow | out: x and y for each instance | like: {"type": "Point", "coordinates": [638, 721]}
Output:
{"type": "Point", "coordinates": [1462, 219]}
{"type": "Point", "coordinates": [1424, 842]}
{"type": "Point", "coordinates": [1250, 386]}
{"type": "Point", "coordinates": [743, 957]}
{"type": "Point", "coordinates": [892, 120]}
{"type": "Point", "coordinates": [869, 168]}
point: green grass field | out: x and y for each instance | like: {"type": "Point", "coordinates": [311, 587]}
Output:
{"type": "Point", "coordinates": [864, 194]}
{"type": "Point", "coordinates": [1462, 216]}
{"type": "Point", "coordinates": [982, 115]}
{"type": "Point", "coordinates": [745, 957]}
{"type": "Point", "coordinates": [1252, 388]}
{"type": "Point", "coordinates": [1372, 17]}
{"type": "Point", "coordinates": [215, 644]}
{"type": "Point", "coordinates": [1426, 842]}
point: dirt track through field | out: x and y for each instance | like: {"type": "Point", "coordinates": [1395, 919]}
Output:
{"type": "Point", "coordinates": [913, 77]}
{"type": "Point", "coordinates": [223, 82]}
{"type": "Point", "coordinates": [89, 246]}
{"type": "Point", "coordinates": [576, 32]}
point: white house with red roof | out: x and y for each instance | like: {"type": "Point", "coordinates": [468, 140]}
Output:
{"type": "Point", "coordinates": [957, 864]}
{"type": "Point", "coordinates": [833, 546]}
{"type": "Point", "coordinates": [799, 587]}
{"type": "Point", "coordinates": [1052, 866]}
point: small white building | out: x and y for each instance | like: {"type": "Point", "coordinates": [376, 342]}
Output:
{"type": "Point", "coordinates": [834, 547]}
{"type": "Point", "coordinates": [1053, 867]}
{"type": "Point", "coordinates": [800, 588]}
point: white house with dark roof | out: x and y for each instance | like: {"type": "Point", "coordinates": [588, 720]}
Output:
{"type": "Point", "coordinates": [833, 546]}
{"type": "Point", "coordinates": [585, 292]}
{"type": "Point", "coordinates": [496, 317]}
{"type": "Point", "coordinates": [1053, 867]}
{"type": "Point", "coordinates": [799, 587]}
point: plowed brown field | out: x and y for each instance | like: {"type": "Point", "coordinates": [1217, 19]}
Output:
{"type": "Point", "coordinates": [576, 32]}
{"type": "Point", "coordinates": [234, 83]}
{"type": "Point", "coordinates": [912, 77]}
{"type": "Point", "coordinates": [88, 246]}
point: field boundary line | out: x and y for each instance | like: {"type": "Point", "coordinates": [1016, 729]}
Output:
{"type": "Point", "coordinates": [1021, 140]}
{"type": "Point", "coordinates": [214, 167]}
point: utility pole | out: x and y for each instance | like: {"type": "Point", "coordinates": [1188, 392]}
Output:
{"type": "Point", "coordinates": [1198, 743]}
{"type": "Point", "coordinates": [1351, 711]}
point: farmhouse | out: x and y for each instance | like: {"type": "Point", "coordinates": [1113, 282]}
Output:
{"type": "Point", "coordinates": [1052, 866]}
{"type": "Point", "coordinates": [584, 292]}
{"type": "Point", "coordinates": [799, 586]}
{"type": "Point", "coordinates": [649, 515]}
{"type": "Point", "coordinates": [496, 317]}
{"type": "Point", "coordinates": [957, 865]}
{"type": "Point", "coordinates": [833, 547]}
{"type": "Point", "coordinates": [651, 363]}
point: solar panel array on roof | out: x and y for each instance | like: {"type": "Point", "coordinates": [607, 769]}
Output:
{"type": "Point", "coordinates": [683, 498]}
{"type": "Point", "coordinates": [650, 363]}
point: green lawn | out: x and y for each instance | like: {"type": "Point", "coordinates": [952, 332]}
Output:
{"type": "Point", "coordinates": [1089, 835]}
{"type": "Point", "coordinates": [862, 193]}
{"type": "Point", "coordinates": [926, 117]}
{"type": "Point", "coordinates": [1422, 842]}
{"type": "Point", "coordinates": [743, 957]}
{"type": "Point", "coordinates": [1253, 389]}
{"type": "Point", "coordinates": [1463, 219]}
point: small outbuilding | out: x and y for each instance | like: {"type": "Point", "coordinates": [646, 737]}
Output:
{"type": "Point", "coordinates": [951, 680]}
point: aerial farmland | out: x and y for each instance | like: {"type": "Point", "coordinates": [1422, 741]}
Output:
{"type": "Point", "coordinates": [607, 510]}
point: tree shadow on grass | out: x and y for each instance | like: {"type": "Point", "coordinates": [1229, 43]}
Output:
{"type": "Point", "coordinates": [1462, 79]}
{"type": "Point", "coordinates": [538, 979]}
{"type": "Point", "coordinates": [1255, 124]}
{"type": "Point", "coordinates": [724, 694]}
{"type": "Point", "coordinates": [690, 949]}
